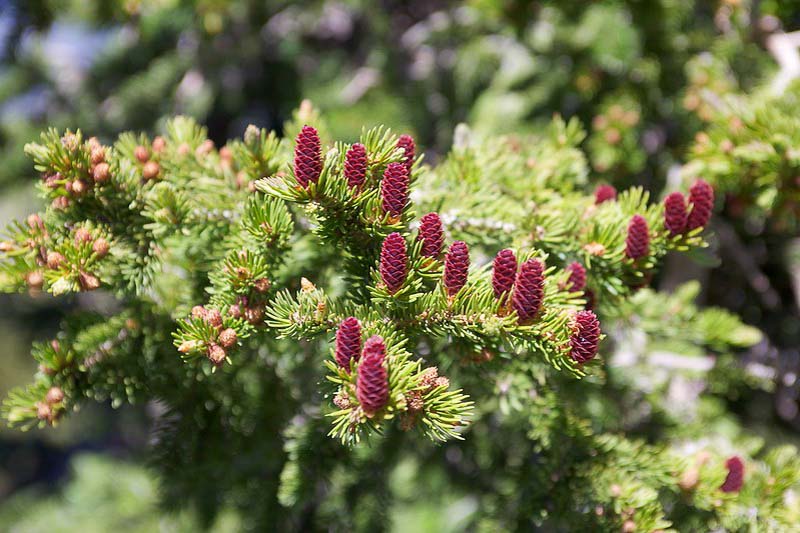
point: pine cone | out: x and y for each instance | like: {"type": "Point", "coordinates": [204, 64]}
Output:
{"type": "Point", "coordinates": [394, 189]}
{"type": "Point", "coordinates": [504, 270]}
{"type": "Point", "coordinates": [675, 213]}
{"type": "Point", "coordinates": [307, 156]}
{"type": "Point", "coordinates": [406, 142]}
{"type": "Point", "coordinates": [394, 262]}
{"type": "Point", "coordinates": [585, 338]}
{"type": "Point", "coordinates": [603, 193]}
{"type": "Point", "coordinates": [355, 166]}
{"type": "Point", "coordinates": [348, 342]}
{"type": "Point", "coordinates": [577, 277]}
{"type": "Point", "coordinates": [637, 244]}
{"type": "Point", "coordinates": [372, 385]}
{"type": "Point", "coordinates": [701, 196]}
{"type": "Point", "coordinates": [431, 235]}
{"type": "Point", "coordinates": [735, 478]}
{"type": "Point", "coordinates": [456, 267]}
{"type": "Point", "coordinates": [528, 290]}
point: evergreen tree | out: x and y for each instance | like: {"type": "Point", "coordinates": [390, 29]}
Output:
{"type": "Point", "coordinates": [312, 316]}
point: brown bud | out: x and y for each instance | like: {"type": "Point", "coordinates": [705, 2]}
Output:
{"type": "Point", "coordinates": [100, 247]}
{"type": "Point", "coordinates": [101, 172]}
{"type": "Point", "coordinates": [204, 148]}
{"type": "Point", "coordinates": [55, 260]}
{"type": "Point", "coordinates": [51, 182]}
{"type": "Point", "coordinates": [87, 281]}
{"type": "Point", "coordinates": [216, 354]}
{"type": "Point", "coordinates": [227, 338]}
{"type": "Point", "coordinates": [262, 285]}
{"type": "Point", "coordinates": [93, 142]}
{"type": "Point", "coordinates": [62, 202]}
{"type": "Point", "coordinates": [98, 155]}
{"type": "Point", "coordinates": [54, 395]}
{"type": "Point", "coordinates": [78, 187]}
{"type": "Point", "coordinates": [254, 315]}
{"type": "Point", "coordinates": [159, 143]}
{"type": "Point", "coordinates": [213, 317]}
{"type": "Point", "coordinates": [82, 235]}
{"type": "Point", "coordinates": [35, 221]}
{"type": "Point", "coordinates": [6, 246]}
{"type": "Point", "coordinates": [150, 170]}
{"type": "Point", "coordinates": [141, 153]}
{"type": "Point", "coordinates": [35, 279]}
{"type": "Point", "coordinates": [44, 412]}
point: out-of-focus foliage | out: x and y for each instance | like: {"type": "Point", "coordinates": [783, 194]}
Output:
{"type": "Point", "coordinates": [102, 495]}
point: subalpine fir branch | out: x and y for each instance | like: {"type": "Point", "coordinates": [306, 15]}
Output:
{"type": "Point", "coordinates": [618, 238]}
{"type": "Point", "coordinates": [749, 151]}
{"type": "Point", "coordinates": [276, 293]}
{"type": "Point", "coordinates": [426, 292]}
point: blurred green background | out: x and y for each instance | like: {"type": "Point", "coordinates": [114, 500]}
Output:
{"type": "Point", "coordinates": [636, 73]}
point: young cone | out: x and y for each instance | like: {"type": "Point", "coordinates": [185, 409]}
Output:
{"type": "Point", "coordinates": [355, 166]}
{"type": "Point", "coordinates": [406, 142]}
{"type": "Point", "coordinates": [637, 244]}
{"type": "Point", "coordinates": [585, 338]}
{"type": "Point", "coordinates": [604, 193]}
{"type": "Point", "coordinates": [528, 290]}
{"type": "Point", "coordinates": [394, 262]}
{"type": "Point", "coordinates": [456, 267]}
{"type": "Point", "coordinates": [372, 384]}
{"type": "Point", "coordinates": [701, 196]}
{"type": "Point", "coordinates": [307, 156]}
{"type": "Point", "coordinates": [504, 270]}
{"type": "Point", "coordinates": [348, 342]}
{"type": "Point", "coordinates": [577, 277]}
{"type": "Point", "coordinates": [394, 189]}
{"type": "Point", "coordinates": [431, 235]}
{"type": "Point", "coordinates": [735, 478]}
{"type": "Point", "coordinates": [675, 216]}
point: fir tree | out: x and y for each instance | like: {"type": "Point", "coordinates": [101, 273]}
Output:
{"type": "Point", "coordinates": [305, 338]}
